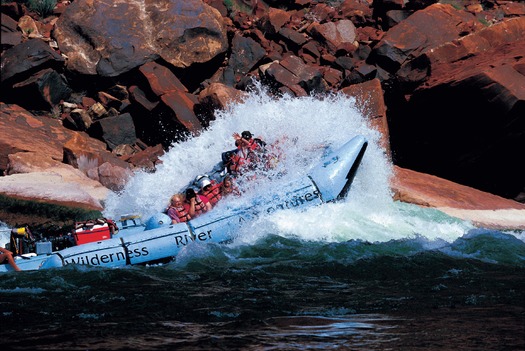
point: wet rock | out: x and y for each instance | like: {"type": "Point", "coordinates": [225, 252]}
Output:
{"type": "Point", "coordinates": [483, 209]}
{"type": "Point", "coordinates": [441, 72]}
{"type": "Point", "coordinates": [146, 159]}
{"type": "Point", "coordinates": [246, 53]}
{"type": "Point", "coordinates": [480, 76]}
{"type": "Point", "coordinates": [113, 177]}
{"type": "Point", "coordinates": [423, 31]}
{"type": "Point", "coordinates": [182, 105]}
{"type": "Point", "coordinates": [114, 130]}
{"type": "Point", "coordinates": [181, 33]}
{"type": "Point", "coordinates": [217, 96]}
{"type": "Point", "coordinates": [26, 58]}
{"type": "Point", "coordinates": [21, 131]}
{"type": "Point", "coordinates": [336, 36]}
{"type": "Point", "coordinates": [85, 153]}
{"type": "Point", "coordinates": [42, 91]}
{"type": "Point", "coordinates": [370, 101]}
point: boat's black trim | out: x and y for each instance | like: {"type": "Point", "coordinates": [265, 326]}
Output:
{"type": "Point", "coordinates": [352, 172]}
{"type": "Point", "coordinates": [61, 258]}
{"type": "Point", "coordinates": [126, 252]}
{"type": "Point", "coordinates": [318, 190]}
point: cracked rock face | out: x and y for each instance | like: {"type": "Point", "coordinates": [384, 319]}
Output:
{"type": "Point", "coordinates": [111, 38]}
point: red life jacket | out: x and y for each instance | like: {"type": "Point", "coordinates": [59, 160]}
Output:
{"type": "Point", "coordinates": [246, 155]}
{"type": "Point", "coordinates": [200, 206]}
{"type": "Point", "coordinates": [182, 213]}
{"type": "Point", "coordinates": [213, 193]}
{"type": "Point", "coordinates": [236, 163]}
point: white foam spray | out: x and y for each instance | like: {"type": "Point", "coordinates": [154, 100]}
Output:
{"type": "Point", "coordinates": [303, 126]}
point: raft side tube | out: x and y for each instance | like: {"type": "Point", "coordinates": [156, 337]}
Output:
{"type": "Point", "coordinates": [157, 244]}
{"type": "Point", "coordinates": [25, 264]}
{"type": "Point", "coordinates": [105, 253]}
{"type": "Point", "coordinates": [218, 227]}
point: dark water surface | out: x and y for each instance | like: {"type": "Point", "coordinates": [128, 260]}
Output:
{"type": "Point", "coordinates": [302, 297]}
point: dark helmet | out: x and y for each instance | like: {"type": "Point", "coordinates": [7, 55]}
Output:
{"type": "Point", "coordinates": [246, 135]}
{"type": "Point", "coordinates": [190, 193]}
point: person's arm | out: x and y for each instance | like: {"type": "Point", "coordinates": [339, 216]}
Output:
{"type": "Point", "coordinates": [191, 207]}
{"type": "Point", "coordinates": [207, 202]}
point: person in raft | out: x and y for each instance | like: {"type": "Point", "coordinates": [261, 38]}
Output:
{"type": "Point", "coordinates": [185, 207]}
{"type": "Point", "coordinates": [247, 153]}
{"type": "Point", "coordinates": [228, 188]}
{"type": "Point", "coordinates": [198, 204]}
{"type": "Point", "coordinates": [8, 255]}
{"type": "Point", "coordinates": [176, 210]}
{"type": "Point", "coordinates": [209, 188]}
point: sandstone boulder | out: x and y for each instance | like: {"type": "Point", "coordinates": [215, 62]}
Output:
{"type": "Point", "coordinates": [20, 61]}
{"type": "Point", "coordinates": [49, 187]}
{"type": "Point", "coordinates": [180, 32]}
{"type": "Point", "coordinates": [79, 189]}
{"type": "Point", "coordinates": [423, 31]}
{"type": "Point", "coordinates": [336, 36]}
{"type": "Point", "coordinates": [174, 96]}
{"type": "Point", "coordinates": [114, 130]}
{"type": "Point", "coordinates": [246, 53]}
{"type": "Point", "coordinates": [292, 73]}
{"type": "Point", "coordinates": [469, 110]}
{"type": "Point", "coordinates": [217, 96]}
{"type": "Point", "coordinates": [21, 131]}
{"type": "Point", "coordinates": [42, 91]}
{"type": "Point", "coordinates": [481, 208]}
{"type": "Point", "coordinates": [370, 101]}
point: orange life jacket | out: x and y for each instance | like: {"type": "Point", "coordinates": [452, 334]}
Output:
{"type": "Point", "coordinates": [245, 156]}
{"type": "Point", "coordinates": [200, 206]}
{"type": "Point", "coordinates": [236, 163]}
{"type": "Point", "coordinates": [182, 213]}
{"type": "Point", "coordinates": [213, 193]}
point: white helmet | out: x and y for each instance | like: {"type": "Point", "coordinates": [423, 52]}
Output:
{"type": "Point", "coordinates": [202, 180]}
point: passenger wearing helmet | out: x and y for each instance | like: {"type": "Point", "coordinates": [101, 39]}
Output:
{"type": "Point", "coordinates": [247, 154]}
{"type": "Point", "coordinates": [246, 140]}
{"type": "Point", "coordinates": [197, 203]}
{"type": "Point", "coordinates": [209, 188]}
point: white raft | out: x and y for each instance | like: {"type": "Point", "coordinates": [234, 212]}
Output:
{"type": "Point", "coordinates": [160, 240]}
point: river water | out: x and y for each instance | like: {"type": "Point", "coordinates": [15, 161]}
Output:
{"type": "Point", "coordinates": [366, 273]}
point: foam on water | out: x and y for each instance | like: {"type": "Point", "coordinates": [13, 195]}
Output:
{"type": "Point", "coordinates": [304, 127]}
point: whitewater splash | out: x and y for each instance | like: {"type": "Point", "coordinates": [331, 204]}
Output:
{"type": "Point", "coordinates": [305, 127]}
